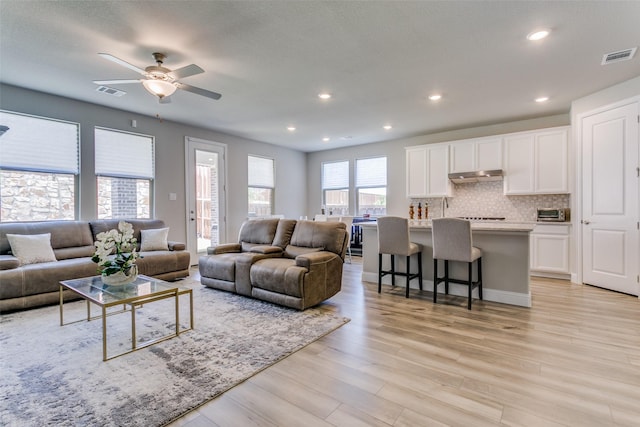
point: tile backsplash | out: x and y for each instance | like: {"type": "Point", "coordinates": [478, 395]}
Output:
{"type": "Point", "coordinates": [486, 199]}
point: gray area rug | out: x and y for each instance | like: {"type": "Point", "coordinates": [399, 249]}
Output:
{"type": "Point", "coordinates": [54, 375]}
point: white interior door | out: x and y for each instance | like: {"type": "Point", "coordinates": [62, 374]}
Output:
{"type": "Point", "coordinates": [206, 207]}
{"type": "Point", "coordinates": [610, 211]}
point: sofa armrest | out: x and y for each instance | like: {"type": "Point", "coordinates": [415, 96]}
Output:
{"type": "Point", "coordinates": [9, 262]}
{"type": "Point", "coordinates": [308, 260]}
{"type": "Point", "coordinates": [224, 249]}
{"type": "Point", "coordinates": [177, 246]}
{"type": "Point", "coordinates": [267, 250]}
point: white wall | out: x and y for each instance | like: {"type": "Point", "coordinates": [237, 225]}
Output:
{"type": "Point", "coordinates": [170, 164]}
{"type": "Point", "coordinates": [397, 202]}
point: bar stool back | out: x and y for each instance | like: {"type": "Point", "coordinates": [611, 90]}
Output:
{"type": "Point", "coordinates": [393, 239]}
{"type": "Point", "coordinates": [452, 241]}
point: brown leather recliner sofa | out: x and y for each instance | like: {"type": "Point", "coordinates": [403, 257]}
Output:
{"type": "Point", "coordinates": [33, 285]}
{"type": "Point", "coordinates": [297, 264]}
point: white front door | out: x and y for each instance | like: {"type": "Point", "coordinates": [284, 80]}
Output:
{"type": "Point", "coordinates": [205, 180]}
{"type": "Point", "coordinates": [610, 206]}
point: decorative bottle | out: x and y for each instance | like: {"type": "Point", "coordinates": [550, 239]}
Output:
{"type": "Point", "coordinates": [419, 211]}
{"type": "Point", "coordinates": [411, 211]}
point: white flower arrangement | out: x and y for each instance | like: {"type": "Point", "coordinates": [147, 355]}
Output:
{"type": "Point", "coordinates": [116, 250]}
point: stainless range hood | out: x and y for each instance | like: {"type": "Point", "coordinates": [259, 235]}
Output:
{"type": "Point", "coordinates": [477, 176]}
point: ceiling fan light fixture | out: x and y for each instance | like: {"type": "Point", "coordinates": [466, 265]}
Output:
{"type": "Point", "coordinates": [159, 88]}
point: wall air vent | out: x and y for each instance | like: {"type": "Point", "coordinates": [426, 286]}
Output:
{"type": "Point", "coordinates": [110, 91]}
{"type": "Point", "coordinates": [621, 55]}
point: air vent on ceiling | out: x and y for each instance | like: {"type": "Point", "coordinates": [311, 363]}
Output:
{"type": "Point", "coordinates": [621, 55]}
{"type": "Point", "coordinates": [110, 91]}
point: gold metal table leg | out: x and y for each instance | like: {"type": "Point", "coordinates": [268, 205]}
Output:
{"type": "Point", "coordinates": [133, 326]}
{"type": "Point", "coordinates": [61, 304]}
{"type": "Point", "coordinates": [104, 333]}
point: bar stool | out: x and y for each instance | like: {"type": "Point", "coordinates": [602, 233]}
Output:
{"type": "Point", "coordinates": [393, 239]}
{"type": "Point", "coordinates": [452, 242]}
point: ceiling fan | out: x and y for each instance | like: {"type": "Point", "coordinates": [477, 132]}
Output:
{"type": "Point", "coordinates": [158, 80]}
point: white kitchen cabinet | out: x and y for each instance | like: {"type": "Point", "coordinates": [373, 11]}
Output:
{"type": "Point", "coordinates": [416, 172]}
{"type": "Point", "coordinates": [476, 154]}
{"type": "Point", "coordinates": [549, 250]}
{"type": "Point", "coordinates": [536, 162]}
{"type": "Point", "coordinates": [427, 173]}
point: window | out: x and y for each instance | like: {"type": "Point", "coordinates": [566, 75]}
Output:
{"type": "Point", "coordinates": [38, 168]}
{"type": "Point", "coordinates": [125, 173]}
{"type": "Point", "coordinates": [261, 186]}
{"type": "Point", "coordinates": [371, 186]}
{"type": "Point", "coordinates": [335, 187]}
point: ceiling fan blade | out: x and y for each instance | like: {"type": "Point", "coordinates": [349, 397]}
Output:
{"type": "Point", "coordinates": [164, 100]}
{"type": "Point", "coordinates": [198, 91]}
{"type": "Point", "coordinates": [189, 70]}
{"type": "Point", "coordinates": [115, 82]}
{"type": "Point", "coordinates": [123, 63]}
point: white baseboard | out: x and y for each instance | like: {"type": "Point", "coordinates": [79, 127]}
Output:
{"type": "Point", "coordinates": [494, 295]}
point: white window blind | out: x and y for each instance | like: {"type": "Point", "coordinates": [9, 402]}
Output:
{"type": "Point", "coordinates": [335, 175]}
{"type": "Point", "coordinates": [123, 154]}
{"type": "Point", "coordinates": [39, 144]}
{"type": "Point", "coordinates": [261, 172]}
{"type": "Point", "coordinates": [371, 172]}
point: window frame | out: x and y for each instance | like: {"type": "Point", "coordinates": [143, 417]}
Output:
{"type": "Point", "coordinates": [75, 174]}
{"type": "Point", "coordinates": [261, 187]}
{"type": "Point", "coordinates": [357, 187]}
{"type": "Point", "coordinates": [151, 180]}
{"type": "Point", "coordinates": [325, 189]}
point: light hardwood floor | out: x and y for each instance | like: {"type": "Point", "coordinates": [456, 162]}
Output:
{"type": "Point", "coordinates": [573, 359]}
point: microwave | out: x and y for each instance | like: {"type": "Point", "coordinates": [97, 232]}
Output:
{"type": "Point", "coordinates": [556, 215]}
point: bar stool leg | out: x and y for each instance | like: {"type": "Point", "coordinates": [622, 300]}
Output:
{"type": "Point", "coordinates": [446, 277]}
{"type": "Point", "coordinates": [379, 273]}
{"type": "Point", "coordinates": [470, 285]}
{"type": "Point", "coordinates": [420, 269]}
{"type": "Point", "coordinates": [435, 280]}
{"type": "Point", "coordinates": [393, 271]}
{"type": "Point", "coordinates": [408, 275]}
{"type": "Point", "coordinates": [480, 278]}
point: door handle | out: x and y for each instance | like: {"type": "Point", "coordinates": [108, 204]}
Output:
{"type": "Point", "coordinates": [585, 222]}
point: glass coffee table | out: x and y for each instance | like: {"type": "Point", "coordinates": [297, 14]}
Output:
{"type": "Point", "coordinates": [143, 290]}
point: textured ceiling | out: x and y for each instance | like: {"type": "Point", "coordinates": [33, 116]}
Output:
{"type": "Point", "coordinates": [379, 60]}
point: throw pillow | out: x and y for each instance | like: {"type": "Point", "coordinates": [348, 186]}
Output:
{"type": "Point", "coordinates": [31, 248]}
{"type": "Point", "coordinates": [154, 239]}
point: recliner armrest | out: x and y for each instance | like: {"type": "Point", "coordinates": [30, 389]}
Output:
{"type": "Point", "coordinates": [320, 257]}
{"type": "Point", "coordinates": [9, 262]}
{"type": "Point", "coordinates": [224, 249]}
{"type": "Point", "coordinates": [177, 246]}
{"type": "Point", "coordinates": [266, 249]}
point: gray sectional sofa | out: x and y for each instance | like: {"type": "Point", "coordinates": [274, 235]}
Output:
{"type": "Point", "coordinates": [32, 285]}
{"type": "Point", "coordinates": [297, 264]}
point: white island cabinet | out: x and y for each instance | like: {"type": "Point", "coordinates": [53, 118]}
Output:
{"type": "Point", "coordinates": [550, 250]}
{"type": "Point", "coordinates": [427, 171]}
{"type": "Point", "coordinates": [505, 260]}
{"type": "Point", "coordinates": [536, 162]}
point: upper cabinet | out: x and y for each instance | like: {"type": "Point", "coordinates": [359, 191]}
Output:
{"type": "Point", "coordinates": [476, 155]}
{"type": "Point", "coordinates": [536, 162]}
{"type": "Point", "coordinates": [427, 171]}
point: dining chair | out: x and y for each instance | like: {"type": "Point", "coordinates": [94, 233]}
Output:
{"type": "Point", "coordinates": [348, 221]}
{"type": "Point", "coordinates": [393, 239]}
{"type": "Point", "coordinates": [452, 241]}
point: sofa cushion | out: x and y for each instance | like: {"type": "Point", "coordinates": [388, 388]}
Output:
{"type": "Point", "coordinates": [103, 225]}
{"type": "Point", "coordinates": [154, 239]}
{"type": "Point", "coordinates": [64, 234]}
{"type": "Point", "coordinates": [280, 275]}
{"type": "Point", "coordinates": [221, 267]}
{"type": "Point", "coordinates": [31, 248]}
{"type": "Point", "coordinates": [284, 232]}
{"type": "Point", "coordinates": [258, 231]}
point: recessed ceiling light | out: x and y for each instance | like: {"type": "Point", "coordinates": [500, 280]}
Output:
{"type": "Point", "coordinates": [324, 95]}
{"type": "Point", "coordinates": [325, 139]}
{"type": "Point", "coordinates": [291, 128]}
{"type": "Point", "coordinates": [387, 127]}
{"type": "Point", "coordinates": [435, 97]}
{"type": "Point", "coordinates": [542, 99]}
{"type": "Point", "coordinates": [538, 35]}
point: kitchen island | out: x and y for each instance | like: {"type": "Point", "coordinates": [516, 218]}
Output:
{"type": "Point", "coordinates": [505, 260]}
